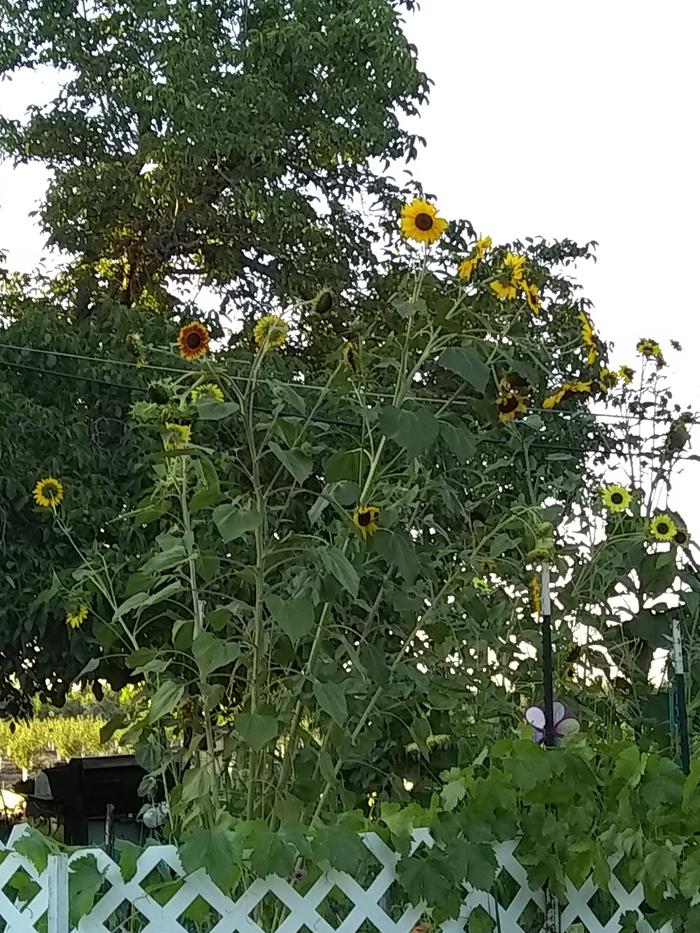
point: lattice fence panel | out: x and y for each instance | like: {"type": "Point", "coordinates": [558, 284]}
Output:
{"type": "Point", "coordinates": [134, 906]}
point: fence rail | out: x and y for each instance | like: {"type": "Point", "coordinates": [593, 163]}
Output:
{"type": "Point", "coordinates": [39, 901]}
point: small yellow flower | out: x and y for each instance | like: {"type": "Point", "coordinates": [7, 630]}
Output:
{"type": "Point", "coordinates": [532, 296]}
{"type": "Point", "coordinates": [270, 331]}
{"type": "Point", "coordinates": [178, 435]}
{"type": "Point", "coordinates": [626, 373]}
{"type": "Point", "coordinates": [466, 268]}
{"type": "Point", "coordinates": [565, 392]}
{"type": "Point", "coordinates": [535, 594]}
{"type": "Point", "coordinates": [663, 528]}
{"type": "Point", "coordinates": [589, 338]}
{"type": "Point", "coordinates": [420, 222]}
{"type": "Point", "coordinates": [207, 390]}
{"type": "Point", "coordinates": [509, 405]}
{"type": "Point", "coordinates": [616, 498]}
{"type": "Point", "coordinates": [651, 350]}
{"type": "Point", "coordinates": [48, 492]}
{"type": "Point", "coordinates": [506, 291]}
{"type": "Point", "coordinates": [193, 340]}
{"type": "Point", "coordinates": [366, 520]}
{"type": "Point", "coordinates": [76, 619]}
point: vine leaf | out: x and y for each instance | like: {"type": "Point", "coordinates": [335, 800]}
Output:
{"type": "Point", "coordinates": [256, 730]}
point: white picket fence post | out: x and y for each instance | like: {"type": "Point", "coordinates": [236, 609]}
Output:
{"type": "Point", "coordinates": [58, 902]}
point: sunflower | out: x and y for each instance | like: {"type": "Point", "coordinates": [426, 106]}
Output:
{"type": "Point", "coordinates": [509, 405]}
{"type": "Point", "coordinates": [366, 520]}
{"type": "Point", "coordinates": [48, 492]}
{"type": "Point", "coordinates": [504, 290]}
{"type": "Point", "coordinates": [535, 594]}
{"type": "Point", "coordinates": [607, 379]}
{"type": "Point", "coordinates": [565, 392]}
{"type": "Point", "coordinates": [681, 537]}
{"type": "Point", "coordinates": [270, 331]}
{"type": "Point", "coordinates": [616, 498]}
{"type": "Point", "coordinates": [651, 350]}
{"type": "Point", "coordinates": [420, 222]}
{"type": "Point", "coordinates": [349, 357]}
{"type": "Point", "coordinates": [663, 528]}
{"type": "Point", "coordinates": [483, 245]}
{"type": "Point", "coordinates": [481, 584]}
{"type": "Point", "coordinates": [207, 390]}
{"type": "Point", "coordinates": [626, 373]}
{"type": "Point", "coordinates": [465, 270]}
{"type": "Point", "coordinates": [76, 619]}
{"type": "Point", "coordinates": [323, 302]}
{"type": "Point", "coordinates": [532, 296]}
{"type": "Point", "coordinates": [178, 435]}
{"type": "Point", "coordinates": [193, 340]}
{"type": "Point", "coordinates": [516, 264]}
{"type": "Point", "coordinates": [588, 336]}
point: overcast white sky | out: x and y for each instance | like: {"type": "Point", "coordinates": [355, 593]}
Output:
{"type": "Point", "coordinates": [554, 118]}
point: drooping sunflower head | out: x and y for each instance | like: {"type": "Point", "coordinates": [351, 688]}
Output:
{"type": "Point", "coordinates": [532, 296]}
{"type": "Point", "coordinates": [681, 537]}
{"type": "Point", "coordinates": [509, 405]}
{"type": "Point", "coordinates": [420, 222]}
{"type": "Point", "coordinates": [323, 302]}
{"type": "Point", "coordinates": [535, 594]}
{"type": "Point", "coordinates": [566, 391]}
{"type": "Point", "coordinates": [206, 390]}
{"type": "Point", "coordinates": [193, 340]}
{"type": "Point", "coordinates": [270, 332]}
{"type": "Point", "coordinates": [483, 245]}
{"type": "Point", "coordinates": [366, 520]}
{"type": "Point", "coordinates": [161, 391]}
{"type": "Point", "coordinates": [76, 617]}
{"type": "Point", "coordinates": [616, 498]}
{"type": "Point", "coordinates": [626, 373]}
{"type": "Point", "coordinates": [663, 528]}
{"type": "Point", "coordinates": [506, 291]}
{"type": "Point", "coordinates": [177, 435]}
{"type": "Point", "coordinates": [466, 268]}
{"type": "Point", "coordinates": [589, 338]}
{"type": "Point", "coordinates": [48, 492]}
{"type": "Point", "coordinates": [651, 350]}
{"type": "Point", "coordinates": [607, 379]}
{"type": "Point", "coordinates": [350, 357]}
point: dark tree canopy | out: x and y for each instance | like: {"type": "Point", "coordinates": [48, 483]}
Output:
{"type": "Point", "coordinates": [237, 142]}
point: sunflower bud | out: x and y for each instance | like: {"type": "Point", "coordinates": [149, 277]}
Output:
{"type": "Point", "coordinates": [323, 302]}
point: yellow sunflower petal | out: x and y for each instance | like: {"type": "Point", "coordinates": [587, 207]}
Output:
{"type": "Point", "coordinates": [420, 222]}
{"type": "Point", "coordinates": [663, 528]}
{"type": "Point", "coordinates": [270, 331]}
{"type": "Point", "coordinates": [616, 498]}
{"type": "Point", "coordinates": [48, 492]}
{"type": "Point", "coordinates": [366, 520]}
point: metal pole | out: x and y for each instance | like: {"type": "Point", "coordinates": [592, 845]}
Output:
{"type": "Point", "coordinates": [682, 710]}
{"type": "Point", "coordinates": [547, 672]}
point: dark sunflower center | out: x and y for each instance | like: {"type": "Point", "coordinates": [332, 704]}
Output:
{"type": "Point", "coordinates": [424, 221]}
{"type": "Point", "coordinates": [617, 498]}
{"type": "Point", "coordinates": [681, 538]}
{"type": "Point", "coordinates": [508, 405]}
{"type": "Point", "coordinates": [193, 340]}
{"type": "Point", "coordinates": [662, 528]}
{"type": "Point", "coordinates": [364, 518]}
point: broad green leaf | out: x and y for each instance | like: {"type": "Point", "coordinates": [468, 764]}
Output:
{"type": "Point", "coordinates": [468, 364]}
{"type": "Point", "coordinates": [36, 847]}
{"type": "Point", "coordinates": [209, 409]}
{"type": "Point", "coordinates": [337, 564]}
{"type": "Point", "coordinates": [294, 616]}
{"type": "Point", "coordinates": [233, 521]}
{"type": "Point", "coordinates": [299, 464]}
{"type": "Point", "coordinates": [480, 922]}
{"type": "Point", "coordinates": [128, 856]}
{"type": "Point", "coordinates": [415, 430]}
{"type": "Point", "coordinates": [211, 652]}
{"type": "Point", "coordinates": [196, 784]}
{"type": "Point", "coordinates": [460, 440]}
{"type": "Point", "coordinates": [398, 549]}
{"type": "Point", "coordinates": [256, 730]}
{"type": "Point", "coordinates": [452, 793]}
{"type": "Point", "coordinates": [117, 722]}
{"type": "Point", "coordinates": [218, 851]}
{"type": "Point", "coordinates": [143, 600]}
{"type": "Point", "coordinates": [84, 881]}
{"type": "Point", "coordinates": [166, 699]}
{"type": "Point", "coordinates": [346, 465]}
{"type": "Point", "coordinates": [689, 881]}
{"type": "Point", "coordinates": [331, 698]}
{"type": "Point", "coordinates": [165, 560]}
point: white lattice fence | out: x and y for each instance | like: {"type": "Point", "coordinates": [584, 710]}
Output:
{"type": "Point", "coordinates": [126, 906]}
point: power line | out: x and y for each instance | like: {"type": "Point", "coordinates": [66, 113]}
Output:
{"type": "Point", "coordinates": [430, 399]}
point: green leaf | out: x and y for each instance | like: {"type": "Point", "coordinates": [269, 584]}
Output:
{"type": "Point", "coordinates": [691, 785]}
{"type": "Point", "coordinates": [218, 851]}
{"type": "Point", "coordinates": [143, 600]}
{"type": "Point", "coordinates": [165, 560]}
{"type": "Point", "coordinates": [346, 465]}
{"type": "Point", "coordinates": [294, 616]}
{"type": "Point", "coordinates": [117, 722]}
{"type": "Point", "coordinates": [166, 699]}
{"type": "Point", "coordinates": [415, 431]}
{"type": "Point", "coordinates": [233, 521]}
{"type": "Point", "coordinates": [211, 652]}
{"type": "Point", "coordinates": [128, 856]}
{"type": "Point", "coordinates": [196, 785]}
{"type": "Point", "coordinates": [331, 698]}
{"type": "Point", "coordinates": [339, 846]}
{"type": "Point", "coordinates": [36, 847]}
{"type": "Point", "coordinates": [294, 461]}
{"type": "Point", "coordinates": [480, 922]}
{"type": "Point", "coordinates": [209, 409]}
{"type": "Point", "coordinates": [467, 363]}
{"type": "Point", "coordinates": [256, 730]}
{"type": "Point", "coordinates": [340, 567]}
{"type": "Point", "coordinates": [85, 880]}
{"type": "Point", "coordinates": [452, 793]}
{"type": "Point", "coordinates": [424, 879]}
{"type": "Point", "coordinates": [460, 440]}
{"type": "Point", "coordinates": [398, 549]}
{"type": "Point", "coordinates": [689, 880]}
